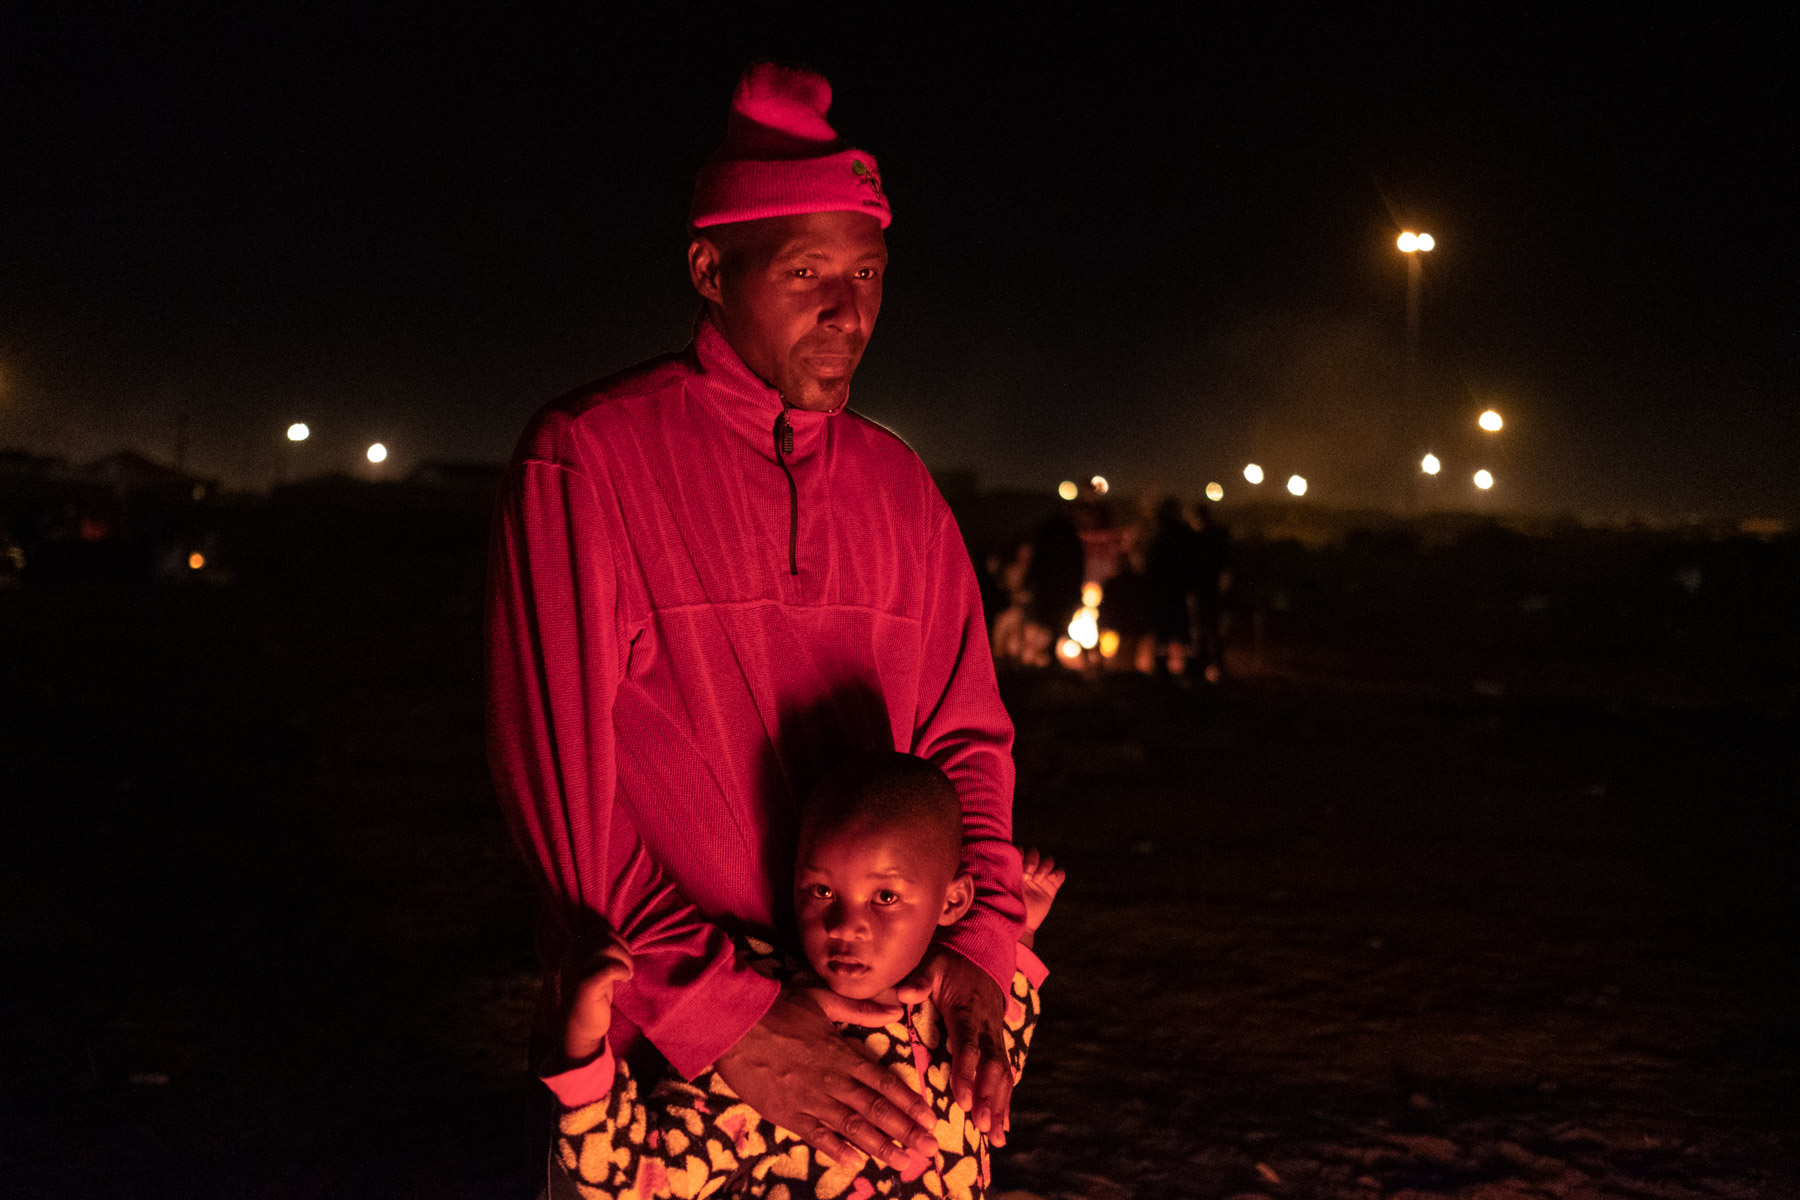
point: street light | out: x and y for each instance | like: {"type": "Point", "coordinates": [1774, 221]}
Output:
{"type": "Point", "coordinates": [1484, 479]}
{"type": "Point", "coordinates": [377, 453]}
{"type": "Point", "coordinates": [1430, 464]}
{"type": "Point", "coordinates": [1215, 492]}
{"type": "Point", "coordinates": [1296, 485]}
{"type": "Point", "coordinates": [1067, 489]}
{"type": "Point", "coordinates": [1414, 245]}
{"type": "Point", "coordinates": [1490, 421]}
{"type": "Point", "coordinates": [298, 432]}
{"type": "Point", "coordinates": [1253, 473]}
{"type": "Point", "coordinates": [1100, 485]}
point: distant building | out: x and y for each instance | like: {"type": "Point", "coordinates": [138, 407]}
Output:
{"type": "Point", "coordinates": [22, 464]}
{"type": "Point", "coordinates": [464, 478]}
{"type": "Point", "coordinates": [130, 474]}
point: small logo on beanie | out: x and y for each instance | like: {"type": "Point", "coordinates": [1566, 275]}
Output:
{"type": "Point", "coordinates": [867, 174]}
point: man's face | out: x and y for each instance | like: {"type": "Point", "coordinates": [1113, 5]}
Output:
{"type": "Point", "coordinates": [796, 297]}
{"type": "Point", "coordinates": [867, 898]}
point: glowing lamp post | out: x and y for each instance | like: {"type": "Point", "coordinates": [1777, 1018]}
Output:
{"type": "Point", "coordinates": [297, 433]}
{"type": "Point", "coordinates": [1067, 489]}
{"type": "Point", "coordinates": [1215, 492]}
{"type": "Point", "coordinates": [1100, 485]}
{"type": "Point", "coordinates": [1296, 485]}
{"type": "Point", "coordinates": [1430, 464]}
{"type": "Point", "coordinates": [1415, 246]}
{"type": "Point", "coordinates": [1490, 421]}
{"type": "Point", "coordinates": [1253, 473]}
{"type": "Point", "coordinates": [377, 453]}
{"type": "Point", "coordinates": [1484, 479]}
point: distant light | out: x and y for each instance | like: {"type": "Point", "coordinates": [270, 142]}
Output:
{"type": "Point", "coordinates": [196, 560]}
{"type": "Point", "coordinates": [1084, 628]}
{"type": "Point", "coordinates": [1409, 242]}
{"type": "Point", "coordinates": [1100, 484]}
{"type": "Point", "coordinates": [1490, 421]}
{"type": "Point", "coordinates": [1090, 595]}
{"type": "Point", "coordinates": [1430, 464]}
{"type": "Point", "coordinates": [1426, 241]}
{"type": "Point", "coordinates": [1068, 649]}
{"type": "Point", "coordinates": [1484, 479]}
{"type": "Point", "coordinates": [1067, 489]}
{"type": "Point", "coordinates": [1214, 492]}
{"type": "Point", "coordinates": [1253, 473]}
{"type": "Point", "coordinates": [1109, 643]}
{"type": "Point", "coordinates": [298, 432]}
{"type": "Point", "coordinates": [1296, 485]}
{"type": "Point", "coordinates": [377, 453]}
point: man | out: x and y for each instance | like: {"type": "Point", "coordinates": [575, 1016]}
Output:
{"type": "Point", "coordinates": [709, 580]}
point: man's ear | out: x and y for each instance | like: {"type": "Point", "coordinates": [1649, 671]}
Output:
{"type": "Point", "coordinates": [958, 899]}
{"type": "Point", "coordinates": [704, 262]}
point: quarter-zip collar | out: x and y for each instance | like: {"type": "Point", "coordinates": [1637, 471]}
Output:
{"type": "Point", "coordinates": [749, 407]}
{"type": "Point", "coordinates": [746, 404]}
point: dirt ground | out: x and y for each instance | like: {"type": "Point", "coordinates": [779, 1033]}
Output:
{"type": "Point", "coordinates": [1327, 932]}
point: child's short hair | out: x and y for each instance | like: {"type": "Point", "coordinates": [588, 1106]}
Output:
{"type": "Point", "coordinates": [887, 788]}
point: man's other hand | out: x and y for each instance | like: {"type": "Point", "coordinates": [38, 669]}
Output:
{"type": "Point", "coordinates": [796, 1070]}
{"type": "Point", "coordinates": [974, 1012]}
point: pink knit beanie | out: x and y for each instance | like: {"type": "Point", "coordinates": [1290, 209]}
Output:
{"type": "Point", "coordinates": [780, 156]}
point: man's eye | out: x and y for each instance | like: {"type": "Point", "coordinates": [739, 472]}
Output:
{"type": "Point", "coordinates": [866, 273]}
{"type": "Point", "coordinates": [887, 896]}
{"type": "Point", "coordinates": [802, 272]}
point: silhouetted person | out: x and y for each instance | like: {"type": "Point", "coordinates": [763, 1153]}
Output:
{"type": "Point", "coordinates": [1212, 575]}
{"type": "Point", "coordinates": [1056, 572]}
{"type": "Point", "coordinates": [1125, 606]}
{"type": "Point", "coordinates": [1172, 576]}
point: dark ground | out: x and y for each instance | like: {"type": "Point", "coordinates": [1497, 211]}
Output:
{"type": "Point", "coordinates": [1411, 906]}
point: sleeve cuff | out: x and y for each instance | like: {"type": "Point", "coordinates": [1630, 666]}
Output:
{"type": "Point", "coordinates": [580, 1086]}
{"type": "Point", "coordinates": [710, 1016]}
{"type": "Point", "coordinates": [989, 944]}
{"type": "Point", "coordinates": [1032, 967]}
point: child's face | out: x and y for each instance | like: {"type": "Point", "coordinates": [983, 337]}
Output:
{"type": "Point", "coordinates": [867, 898]}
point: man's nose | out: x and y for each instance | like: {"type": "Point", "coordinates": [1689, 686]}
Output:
{"type": "Point", "coordinates": [838, 310]}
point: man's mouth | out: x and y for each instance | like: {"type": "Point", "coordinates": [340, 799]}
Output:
{"type": "Point", "coordinates": [830, 364]}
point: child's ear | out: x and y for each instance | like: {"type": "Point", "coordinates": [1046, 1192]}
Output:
{"type": "Point", "coordinates": [958, 898]}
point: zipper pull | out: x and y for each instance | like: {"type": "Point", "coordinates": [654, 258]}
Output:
{"type": "Point", "coordinates": [784, 446]}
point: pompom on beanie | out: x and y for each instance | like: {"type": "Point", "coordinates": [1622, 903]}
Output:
{"type": "Point", "coordinates": [781, 156]}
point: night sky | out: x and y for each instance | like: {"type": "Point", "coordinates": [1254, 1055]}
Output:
{"type": "Point", "coordinates": [1146, 246]}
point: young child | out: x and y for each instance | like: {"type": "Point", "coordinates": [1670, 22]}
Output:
{"type": "Point", "coordinates": [875, 876]}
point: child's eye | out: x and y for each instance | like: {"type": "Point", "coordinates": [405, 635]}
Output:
{"type": "Point", "coordinates": [887, 896]}
{"type": "Point", "coordinates": [819, 891]}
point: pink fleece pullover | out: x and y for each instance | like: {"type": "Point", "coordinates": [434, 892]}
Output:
{"type": "Point", "coordinates": [679, 641]}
